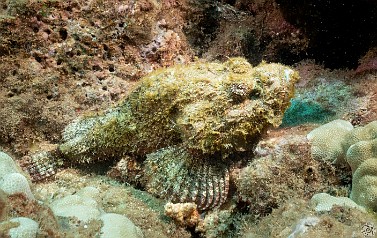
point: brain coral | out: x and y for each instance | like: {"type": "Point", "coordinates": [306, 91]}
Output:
{"type": "Point", "coordinates": [328, 140]}
{"type": "Point", "coordinates": [361, 151]}
{"type": "Point", "coordinates": [358, 147]}
{"type": "Point", "coordinates": [209, 111]}
{"type": "Point", "coordinates": [7, 165]}
{"type": "Point", "coordinates": [14, 183]}
{"type": "Point", "coordinates": [81, 205]}
{"type": "Point", "coordinates": [364, 184]}
{"type": "Point", "coordinates": [362, 133]}
{"type": "Point", "coordinates": [325, 202]}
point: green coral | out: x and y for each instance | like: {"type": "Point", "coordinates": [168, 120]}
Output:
{"type": "Point", "coordinates": [207, 108]}
{"type": "Point", "coordinates": [319, 103]}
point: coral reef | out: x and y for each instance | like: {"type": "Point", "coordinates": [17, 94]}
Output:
{"type": "Point", "coordinates": [9, 165]}
{"type": "Point", "coordinates": [290, 216]}
{"type": "Point", "coordinates": [16, 183]}
{"type": "Point", "coordinates": [144, 210]}
{"type": "Point", "coordinates": [358, 144]}
{"type": "Point", "coordinates": [80, 210]}
{"type": "Point", "coordinates": [104, 196]}
{"type": "Point", "coordinates": [364, 189]}
{"type": "Point", "coordinates": [165, 49]}
{"type": "Point", "coordinates": [22, 215]}
{"type": "Point", "coordinates": [197, 134]}
{"type": "Point", "coordinates": [78, 206]}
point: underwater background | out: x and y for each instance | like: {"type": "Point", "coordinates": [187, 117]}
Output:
{"type": "Point", "coordinates": [190, 118]}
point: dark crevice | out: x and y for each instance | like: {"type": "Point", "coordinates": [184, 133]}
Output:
{"type": "Point", "coordinates": [204, 27]}
{"type": "Point", "coordinates": [340, 32]}
{"type": "Point", "coordinates": [63, 33]}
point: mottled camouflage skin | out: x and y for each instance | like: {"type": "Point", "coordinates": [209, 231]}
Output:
{"type": "Point", "coordinates": [206, 108]}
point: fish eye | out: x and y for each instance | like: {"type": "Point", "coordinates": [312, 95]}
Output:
{"type": "Point", "coordinates": [238, 92]}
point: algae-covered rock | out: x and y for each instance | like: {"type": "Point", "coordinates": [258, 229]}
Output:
{"type": "Point", "coordinates": [207, 108]}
